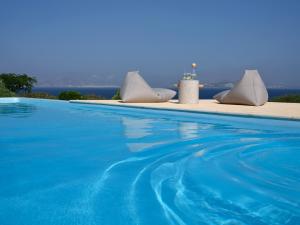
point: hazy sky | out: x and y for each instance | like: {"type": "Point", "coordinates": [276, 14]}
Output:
{"type": "Point", "coordinates": [99, 41]}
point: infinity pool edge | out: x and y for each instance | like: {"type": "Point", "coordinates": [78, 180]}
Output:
{"type": "Point", "coordinates": [161, 106]}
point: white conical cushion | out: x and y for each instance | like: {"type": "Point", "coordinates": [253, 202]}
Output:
{"type": "Point", "coordinates": [136, 89]}
{"type": "Point", "coordinates": [250, 90]}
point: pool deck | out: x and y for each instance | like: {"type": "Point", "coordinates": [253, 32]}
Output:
{"type": "Point", "coordinates": [270, 109]}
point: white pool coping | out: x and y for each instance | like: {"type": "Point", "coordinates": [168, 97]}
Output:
{"type": "Point", "coordinates": [269, 110]}
{"type": "Point", "coordinates": [9, 100]}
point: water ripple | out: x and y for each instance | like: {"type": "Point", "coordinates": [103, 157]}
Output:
{"type": "Point", "coordinates": [193, 182]}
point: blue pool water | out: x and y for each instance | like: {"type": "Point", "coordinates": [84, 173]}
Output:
{"type": "Point", "coordinates": [63, 163]}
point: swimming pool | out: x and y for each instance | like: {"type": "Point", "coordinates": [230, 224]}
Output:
{"type": "Point", "coordinates": [64, 163]}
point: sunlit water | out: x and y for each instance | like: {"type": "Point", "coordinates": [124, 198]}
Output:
{"type": "Point", "coordinates": [65, 163]}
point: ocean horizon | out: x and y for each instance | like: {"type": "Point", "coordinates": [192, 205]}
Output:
{"type": "Point", "coordinates": [108, 92]}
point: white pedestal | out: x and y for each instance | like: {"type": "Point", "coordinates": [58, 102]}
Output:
{"type": "Point", "coordinates": [188, 91]}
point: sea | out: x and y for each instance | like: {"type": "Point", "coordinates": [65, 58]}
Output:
{"type": "Point", "coordinates": [108, 92]}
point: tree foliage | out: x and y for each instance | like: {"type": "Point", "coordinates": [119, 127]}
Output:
{"type": "Point", "coordinates": [4, 92]}
{"type": "Point", "coordinates": [18, 82]}
{"type": "Point", "coordinates": [69, 95]}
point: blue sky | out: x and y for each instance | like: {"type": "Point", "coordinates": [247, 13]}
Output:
{"type": "Point", "coordinates": [99, 41]}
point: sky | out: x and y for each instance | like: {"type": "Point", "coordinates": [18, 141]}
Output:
{"type": "Point", "coordinates": [98, 42]}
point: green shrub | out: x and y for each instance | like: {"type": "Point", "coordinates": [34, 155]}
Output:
{"type": "Point", "coordinates": [39, 95]}
{"type": "Point", "coordinates": [92, 97]}
{"type": "Point", "coordinates": [69, 95]}
{"type": "Point", "coordinates": [4, 92]}
{"type": "Point", "coordinates": [117, 95]}
{"type": "Point", "coordinates": [293, 98]}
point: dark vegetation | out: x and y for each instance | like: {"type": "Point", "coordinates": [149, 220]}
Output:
{"type": "Point", "coordinates": [18, 82]}
{"type": "Point", "coordinates": [69, 95]}
{"type": "Point", "coordinates": [92, 97]}
{"type": "Point", "coordinates": [75, 95]}
{"type": "Point", "coordinates": [38, 95]}
{"type": "Point", "coordinates": [292, 98]}
{"type": "Point", "coordinates": [65, 95]}
{"type": "Point", "coordinates": [21, 85]}
{"type": "Point", "coordinates": [4, 92]}
{"type": "Point", "coordinates": [117, 95]}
